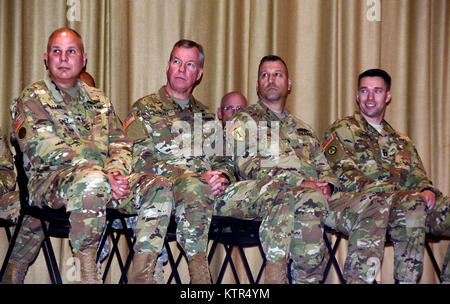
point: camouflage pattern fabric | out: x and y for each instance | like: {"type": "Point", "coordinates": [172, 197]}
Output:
{"type": "Point", "coordinates": [387, 164]}
{"type": "Point", "coordinates": [438, 223]}
{"type": "Point", "coordinates": [69, 145]}
{"type": "Point", "coordinates": [169, 141]}
{"type": "Point", "coordinates": [269, 199]}
{"type": "Point", "coordinates": [9, 198]}
{"type": "Point", "coordinates": [294, 155]}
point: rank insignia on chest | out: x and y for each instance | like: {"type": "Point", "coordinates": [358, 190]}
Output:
{"type": "Point", "coordinates": [129, 120]}
{"type": "Point", "coordinates": [19, 121]}
{"type": "Point", "coordinates": [384, 153]}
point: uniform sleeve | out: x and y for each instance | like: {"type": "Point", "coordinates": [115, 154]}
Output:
{"type": "Point", "coordinates": [37, 137]}
{"type": "Point", "coordinates": [339, 150]}
{"type": "Point", "coordinates": [249, 162]}
{"type": "Point", "coordinates": [120, 146]}
{"type": "Point", "coordinates": [145, 157]}
{"type": "Point", "coordinates": [7, 174]}
{"type": "Point", "coordinates": [324, 171]}
{"type": "Point", "coordinates": [417, 177]}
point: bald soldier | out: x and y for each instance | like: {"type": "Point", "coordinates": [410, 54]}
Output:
{"type": "Point", "coordinates": [287, 151]}
{"type": "Point", "coordinates": [166, 127]}
{"type": "Point", "coordinates": [77, 156]}
{"type": "Point", "coordinates": [9, 198]}
{"type": "Point", "coordinates": [369, 155]}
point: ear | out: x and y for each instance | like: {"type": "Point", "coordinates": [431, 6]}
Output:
{"type": "Point", "coordinates": [289, 84]}
{"type": "Point", "coordinates": [46, 59]}
{"type": "Point", "coordinates": [388, 97]}
{"type": "Point", "coordinates": [200, 73]}
{"type": "Point", "coordinates": [84, 59]}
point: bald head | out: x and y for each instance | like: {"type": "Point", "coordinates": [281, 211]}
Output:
{"type": "Point", "coordinates": [65, 31]}
{"type": "Point", "coordinates": [65, 57]}
{"type": "Point", "coordinates": [231, 103]}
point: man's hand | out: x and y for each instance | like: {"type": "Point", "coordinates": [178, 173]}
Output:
{"type": "Point", "coordinates": [429, 198]}
{"type": "Point", "coordinates": [217, 181]}
{"type": "Point", "coordinates": [322, 187]}
{"type": "Point", "coordinates": [120, 186]}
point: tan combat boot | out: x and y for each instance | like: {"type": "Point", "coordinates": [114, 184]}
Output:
{"type": "Point", "coordinates": [276, 272]}
{"type": "Point", "coordinates": [199, 269]}
{"type": "Point", "coordinates": [14, 273]}
{"type": "Point", "coordinates": [90, 271]}
{"type": "Point", "coordinates": [143, 268]}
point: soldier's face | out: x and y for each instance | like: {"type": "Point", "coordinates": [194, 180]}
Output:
{"type": "Point", "coordinates": [373, 98]}
{"type": "Point", "coordinates": [65, 58]}
{"type": "Point", "coordinates": [183, 72]}
{"type": "Point", "coordinates": [273, 82]}
{"type": "Point", "coordinates": [231, 105]}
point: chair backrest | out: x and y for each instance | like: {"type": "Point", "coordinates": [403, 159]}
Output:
{"type": "Point", "coordinates": [22, 179]}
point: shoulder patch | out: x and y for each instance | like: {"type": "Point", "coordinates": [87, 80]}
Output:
{"type": "Point", "coordinates": [18, 122]}
{"type": "Point", "coordinates": [328, 141]}
{"type": "Point", "coordinates": [235, 129]}
{"type": "Point", "coordinates": [332, 148]}
{"type": "Point", "coordinates": [129, 120]}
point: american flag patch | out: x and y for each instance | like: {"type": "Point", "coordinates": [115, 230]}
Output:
{"type": "Point", "coordinates": [329, 139]}
{"type": "Point", "coordinates": [236, 123]}
{"type": "Point", "coordinates": [19, 121]}
{"type": "Point", "coordinates": [129, 120]}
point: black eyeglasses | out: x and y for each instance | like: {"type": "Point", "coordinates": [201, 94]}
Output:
{"type": "Point", "coordinates": [231, 108]}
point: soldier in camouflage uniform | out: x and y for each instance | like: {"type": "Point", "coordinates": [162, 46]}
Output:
{"type": "Point", "coordinates": [77, 155]}
{"type": "Point", "coordinates": [9, 198]}
{"type": "Point", "coordinates": [369, 155]}
{"type": "Point", "coordinates": [291, 154]}
{"type": "Point", "coordinates": [168, 140]}
{"type": "Point", "coordinates": [269, 199]}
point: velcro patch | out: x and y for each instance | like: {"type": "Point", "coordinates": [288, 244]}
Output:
{"type": "Point", "coordinates": [19, 121]}
{"type": "Point", "coordinates": [328, 141]}
{"type": "Point", "coordinates": [129, 120]}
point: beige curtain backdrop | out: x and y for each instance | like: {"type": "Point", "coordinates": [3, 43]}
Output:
{"type": "Point", "coordinates": [326, 44]}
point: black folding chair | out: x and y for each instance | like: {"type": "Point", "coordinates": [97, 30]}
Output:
{"type": "Point", "coordinates": [6, 225]}
{"type": "Point", "coordinates": [332, 252]}
{"type": "Point", "coordinates": [233, 232]}
{"type": "Point", "coordinates": [56, 219]}
{"type": "Point", "coordinates": [114, 232]}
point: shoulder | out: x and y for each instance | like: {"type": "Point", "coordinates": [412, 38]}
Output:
{"type": "Point", "coordinates": [343, 123]}
{"type": "Point", "coordinates": [95, 94]}
{"type": "Point", "coordinates": [33, 90]}
{"type": "Point", "coordinates": [150, 102]}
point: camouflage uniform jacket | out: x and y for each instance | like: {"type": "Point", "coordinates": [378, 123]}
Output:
{"type": "Point", "coordinates": [366, 160]}
{"type": "Point", "coordinates": [7, 174]}
{"type": "Point", "coordinates": [57, 132]}
{"type": "Point", "coordinates": [299, 154]}
{"type": "Point", "coordinates": [154, 123]}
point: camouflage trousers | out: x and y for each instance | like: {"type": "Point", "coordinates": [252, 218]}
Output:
{"type": "Point", "coordinates": [363, 218]}
{"type": "Point", "coordinates": [10, 206]}
{"type": "Point", "coordinates": [291, 224]}
{"type": "Point", "coordinates": [307, 245]}
{"type": "Point", "coordinates": [86, 192]}
{"type": "Point", "coordinates": [270, 200]}
{"type": "Point", "coordinates": [438, 223]}
{"type": "Point", "coordinates": [194, 206]}
{"type": "Point", "coordinates": [407, 231]}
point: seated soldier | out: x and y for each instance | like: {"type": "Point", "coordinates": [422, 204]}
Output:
{"type": "Point", "coordinates": [77, 156]}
